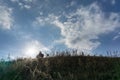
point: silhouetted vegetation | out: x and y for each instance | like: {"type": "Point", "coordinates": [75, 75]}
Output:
{"type": "Point", "coordinates": [62, 65]}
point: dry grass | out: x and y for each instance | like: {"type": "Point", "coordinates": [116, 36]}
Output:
{"type": "Point", "coordinates": [62, 66]}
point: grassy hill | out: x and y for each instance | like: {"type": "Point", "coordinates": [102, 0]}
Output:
{"type": "Point", "coordinates": [61, 68]}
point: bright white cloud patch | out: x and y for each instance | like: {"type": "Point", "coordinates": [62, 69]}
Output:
{"type": "Point", "coordinates": [82, 28]}
{"type": "Point", "coordinates": [32, 48]}
{"type": "Point", "coordinates": [6, 19]}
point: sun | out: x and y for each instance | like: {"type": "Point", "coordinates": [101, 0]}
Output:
{"type": "Point", "coordinates": [31, 51]}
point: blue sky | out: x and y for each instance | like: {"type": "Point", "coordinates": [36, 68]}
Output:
{"type": "Point", "coordinates": [28, 26]}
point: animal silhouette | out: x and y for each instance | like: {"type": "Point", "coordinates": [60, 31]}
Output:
{"type": "Point", "coordinates": [40, 55]}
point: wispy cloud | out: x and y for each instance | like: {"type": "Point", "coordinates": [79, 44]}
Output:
{"type": "Point", "coordinates": [81, 29]}
{"type": "Point", "coordinates": [41, 20]}
{"type": "Point", "coordinates": [113, 2]}
{"type": "Point", "coordinates": [15, 0]}
{"type": "Point", "coordinates": [72, 3]}
{"type": "Point", "coordinates": [6, 19]}
{"type": "Point", "coordinates": [117, 36]}
{"type": "Point", "coordinates": [24, 4]}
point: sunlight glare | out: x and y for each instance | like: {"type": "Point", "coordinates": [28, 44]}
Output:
{"type": "Point", "coordinates": [31, 51]}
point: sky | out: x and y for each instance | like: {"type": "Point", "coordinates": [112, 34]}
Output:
{"type": "Point", "coordinates": [30, 26]}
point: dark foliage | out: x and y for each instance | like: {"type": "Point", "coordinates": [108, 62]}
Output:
{"type": "Point", "coordinates": [62, 67]}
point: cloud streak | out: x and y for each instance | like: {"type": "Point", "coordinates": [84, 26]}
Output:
{"type": "Point", "coordinates": [117, 36]}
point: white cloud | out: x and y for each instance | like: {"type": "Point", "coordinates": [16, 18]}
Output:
{"type": "Point", "coordinates": [27, 6]}
{"type": "Point", "coordinates": [82, 28]}
{"type": "Point", "coordinates": [24, 4]}
{"type": "Point", "coordinates": [117, 36]}
{"type": "Point", "coordinates": [6, 19]}
{"type": "Point", "coordinates": [45, 20]}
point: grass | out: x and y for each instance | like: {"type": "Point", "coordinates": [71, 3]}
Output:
{"type": "Point", "coordinates": [62, 67]}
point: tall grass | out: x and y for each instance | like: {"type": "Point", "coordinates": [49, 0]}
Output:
{"type": "Point", "coordinates": [62, 66]}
